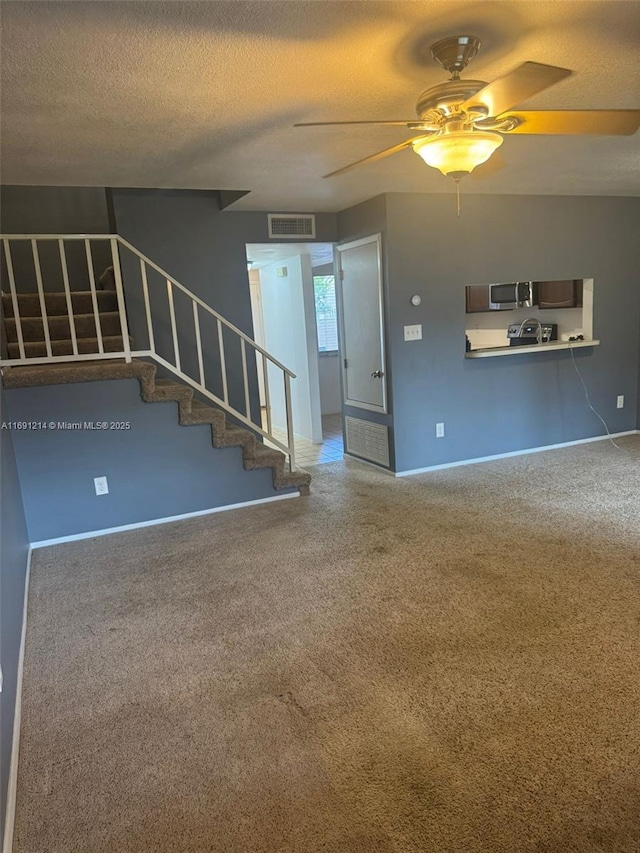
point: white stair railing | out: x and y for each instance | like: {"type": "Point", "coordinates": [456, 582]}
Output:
{"type": "Point", "coordinates": [174, 339]}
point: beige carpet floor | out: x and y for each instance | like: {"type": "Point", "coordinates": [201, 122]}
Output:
{"type": "Point", "coordinates": [448, 663]}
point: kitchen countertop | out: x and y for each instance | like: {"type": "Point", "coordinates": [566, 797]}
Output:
{"type": "Point", "coordinates": [490, 352]}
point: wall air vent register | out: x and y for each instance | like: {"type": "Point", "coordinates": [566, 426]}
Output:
{"type": "Point", "coordinates": [368, 440]}
{"type": "Point", "coordinates": [291, 226]}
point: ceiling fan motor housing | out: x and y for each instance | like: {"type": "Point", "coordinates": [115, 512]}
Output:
{"type": "Point", "coordinates": [445, 98]}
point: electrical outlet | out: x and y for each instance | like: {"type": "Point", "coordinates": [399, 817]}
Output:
{"type": "Point", "coordinates": [102, 487]}
{"type": "Point", "coordinates": [439, 430]}
{"type": "Point", "coordinates": [620, 401]}
{"type": "Point", "coordinates": [413, 333]}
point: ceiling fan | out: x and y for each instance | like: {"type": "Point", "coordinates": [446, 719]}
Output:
{"type": "Point", "coordinates": [460, 123]}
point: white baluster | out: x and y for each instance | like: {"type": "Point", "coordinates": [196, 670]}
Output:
{"type": "Point", "coordinates": [223, 364]}
{"type": "Point", "coordinates": [196, 323]}
{"type": "Point", "coordinates": [67, 293]}
{"type": "Point", "coordinates": [94, 296]}
{"type": "Point", "coordinates": [147, 304]}
{"type": "Point", "coordinates": [43, 303]}
{"type": "Point", "coordinates": [174, 330]}
{"type": "Point", "coordinates": [267, 396]}
{"type": "Point", "coordinates": [117, 275]}
{"type": "Point", "coordinates": [290, 441]}
{"type": "Point", "coordinates": [245, 378]}
{"type": "Point", "coordinates": [14, 298]}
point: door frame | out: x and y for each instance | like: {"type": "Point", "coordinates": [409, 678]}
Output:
{"type": "Point", "coordinates": [353, 244]}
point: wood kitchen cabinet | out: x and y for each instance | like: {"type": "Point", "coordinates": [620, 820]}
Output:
{"type": "Point", "coordinates": [477, 296]}
{"type": "Point", "coordinates": [558, 294]}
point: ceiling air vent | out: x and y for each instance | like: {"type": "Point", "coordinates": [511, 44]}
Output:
{"type": "Point", "coordinates": [368, 440]}
{"type": "Point", "coordinates": [291, 226]}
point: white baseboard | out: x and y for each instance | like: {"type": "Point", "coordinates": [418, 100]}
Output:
{"type": "Point", "coordinates": [514, 453]}
{"type": "Point", "coordinates": [12, 785]}
{"type": "Point", "coordinates": [122, 528]}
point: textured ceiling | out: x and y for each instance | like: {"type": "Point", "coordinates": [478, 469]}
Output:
{"type": "Point", "coordinates": [204, 94]}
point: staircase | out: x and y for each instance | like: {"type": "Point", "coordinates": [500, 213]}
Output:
{"type": "Point", "coordinates": [191, 412]}
{"type": "Point", "coordinates": [58, 337]}
{"type": "Point", "coordinates": [59, 326]}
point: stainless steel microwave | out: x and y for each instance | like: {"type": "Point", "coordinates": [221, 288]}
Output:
{"type": "Point", "coordinates": [504, 297]}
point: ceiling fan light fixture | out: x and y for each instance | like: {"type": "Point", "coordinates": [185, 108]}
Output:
{"type": "Point", "coordinates": [457, 153]}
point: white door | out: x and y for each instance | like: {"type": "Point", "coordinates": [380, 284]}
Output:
{"type": "Point", "coordinates": [363, 362]}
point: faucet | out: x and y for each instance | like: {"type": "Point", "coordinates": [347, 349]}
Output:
{"type": "Point", "coordinates": [533, 320]}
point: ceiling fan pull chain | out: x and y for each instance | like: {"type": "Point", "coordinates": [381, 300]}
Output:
{"type": "Point", "coordinates": [458, 196]}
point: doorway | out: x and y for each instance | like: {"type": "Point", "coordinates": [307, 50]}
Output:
{"type": "Point", "coordinates": [293, 302]}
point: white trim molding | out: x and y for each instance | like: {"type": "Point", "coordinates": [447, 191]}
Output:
{"type": "Point", "coordinates": [479, 459]}
{"type": "Point", "coordinates": [12, 785]}
{"type": "Point", "coordinates": [154, 521]}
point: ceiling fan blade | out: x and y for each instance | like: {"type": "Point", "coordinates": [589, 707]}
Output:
{"type": "Point", "coordinates": [410, 122]}
{"type": "Point", "coordinates": [379, 156]}
{"type": "Point", "coordinates": [611, 122]}
{"type": "Point", "coordinates": [511, 89]}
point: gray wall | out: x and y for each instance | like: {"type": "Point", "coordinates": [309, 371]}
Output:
{"type": "Point", "coordinates": [186, 233]}
{"type": "Point", "coordinates": [155, 470]}
{"type": "Point", "coordinates": [14, 548]}
{"type": "Point", "coordinates": [54, 210]}
{"type": "Point", "coordinates": [499, 405]}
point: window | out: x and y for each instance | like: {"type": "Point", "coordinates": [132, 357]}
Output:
{"type": "Point", "coordinates": [324, 289]}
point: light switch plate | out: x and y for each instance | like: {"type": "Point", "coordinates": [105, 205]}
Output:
{"type": "Point", "coordinates": [413, 333]}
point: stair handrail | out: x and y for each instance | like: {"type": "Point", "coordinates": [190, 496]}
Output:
{"type": "Point", "coordinates": [207, 307]}
{"type": "Point", "coordinates": [115, 240]}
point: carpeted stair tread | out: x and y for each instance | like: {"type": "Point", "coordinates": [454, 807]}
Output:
{"type": "Point", "coordinates": [59, 327]}
{"type": "Point", "coordinates": [56, 303]}
{"type": "Point", "coordinates": [167, 389]}
{"type": "Point", "coordinates": [296, 480]}
{"type": "Point", "coordinates": [268, 457]}
{"type": "Point", "coordinates": [235, 436]}
{"type": "Point", "coordinates": [264, 457]}
{"type": "Point", "coordinates": [201, 413]}
{"type": "Point", "coordinates": [37, 349]}
{"type": "Point", "coordinates": [65, 373]}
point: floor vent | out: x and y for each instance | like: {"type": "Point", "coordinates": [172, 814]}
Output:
{"type": "Point", "coordinates": [291, 226]}
{"type": "Point", "coordinates": [368, 440]}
